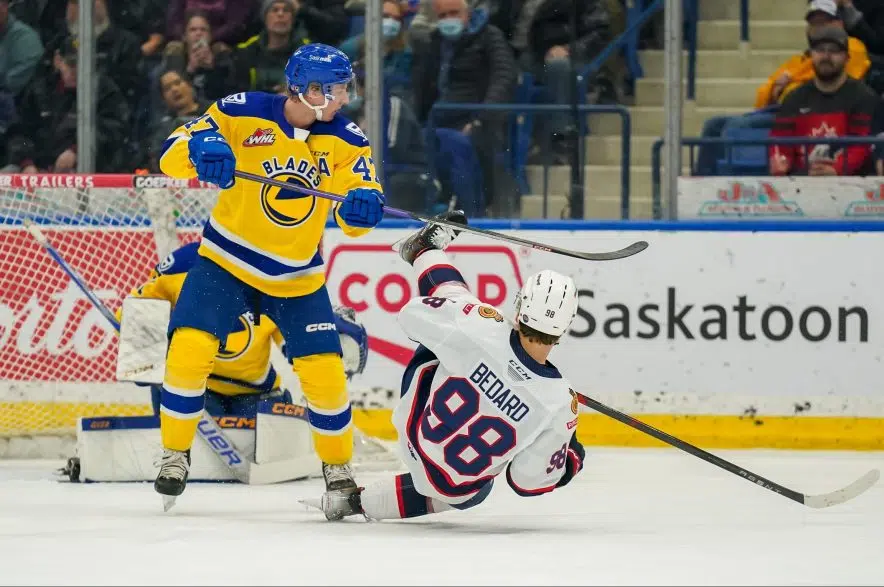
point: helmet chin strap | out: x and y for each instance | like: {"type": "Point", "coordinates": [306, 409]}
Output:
{"type": "Point", "coordinates": [317, 109]}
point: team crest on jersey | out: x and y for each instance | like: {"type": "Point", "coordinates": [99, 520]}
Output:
{"type": "Point", "coordinates": [166, 263]}
{"type": "Point", "coordinates": [489, 312]}
{"type": "Point", "coordinates": [239, 98]}
{"type": "Point", "coordinates": [239, 340]}
{"type": "Point", "coordinates": [260, 138]}
{"type": "Point", "coordinates": [289, 208]}
{"type": "Point", "coordinates": [354, 128]}
{"type": "Point", "coordinates": [575, 403]}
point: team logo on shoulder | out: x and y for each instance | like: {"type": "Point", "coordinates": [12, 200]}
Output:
{"type": "Point", "coordinates": [166, 263]}
{"type": "Point", "coordinates": [489, 312]}
{"type": "Point", "coordinates": [575, 403]}
{"type": "Point", "coordinates": [239, 98]}
{"type": "Point", "coordinates": [260, 138]}
{"type": "Point", "coordinates": [354, 128]}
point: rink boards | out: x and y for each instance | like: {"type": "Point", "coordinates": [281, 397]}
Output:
{"type": "Point", "coordinates": [731, 335]}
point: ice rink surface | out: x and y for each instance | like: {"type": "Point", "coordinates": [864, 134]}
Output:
{"type": "Point", "coordinates": [634, 516]}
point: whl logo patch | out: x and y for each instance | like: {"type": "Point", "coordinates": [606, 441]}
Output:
{"type": "Point", "coordinates": [260, 138]}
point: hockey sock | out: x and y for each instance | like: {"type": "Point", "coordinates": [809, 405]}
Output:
{"type": "Point", "coordinates": [189, 361]}
{"type": "Point", "coordinates": [328, 406]}
{"type": "Point", "coordinates": [433, 269]}
{"type": "Point", "coordinates": [396, 498]}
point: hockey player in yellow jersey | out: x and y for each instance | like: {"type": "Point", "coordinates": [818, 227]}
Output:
{"type": "Point", "coordinates": [259, 248]}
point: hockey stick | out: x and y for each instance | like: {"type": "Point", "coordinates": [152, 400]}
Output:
{"type": "Point", "coordinates": [823, 500]}
{"type": "Point", "coordinates": [634, 248]}
{"type": "Point", "coordinates": [208, 429]}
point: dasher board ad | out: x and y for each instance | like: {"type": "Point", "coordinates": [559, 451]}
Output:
{"type": "Point", "coordinates": [781, 198]}
{"type": "Point", "coordinates": [781, 315]}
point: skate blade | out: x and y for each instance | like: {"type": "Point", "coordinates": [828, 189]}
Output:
{"type": "Point", "coordinates": [312, 502]}
{"type": "Point", "coordinates": [168, 502]}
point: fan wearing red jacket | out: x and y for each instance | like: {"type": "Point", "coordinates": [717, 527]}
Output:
{"type": "Point", "coordinates": [830, 105]}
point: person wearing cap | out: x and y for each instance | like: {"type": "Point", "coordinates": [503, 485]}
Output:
{"type": "Point", "coordinates": [799, 69]}
{"type": "Point", "coordinates": [831, 105]}
{"type": "Point", "coordinates": [260, 61]}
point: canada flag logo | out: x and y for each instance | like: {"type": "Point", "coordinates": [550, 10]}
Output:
{"type": "Point", "coordinates": [261, 137]}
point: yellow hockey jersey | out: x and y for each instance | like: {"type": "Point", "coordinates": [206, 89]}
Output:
{"type": "Point", "coordinates": [267, 237]}
{"type": "Point", "coordinates": [242, 365]}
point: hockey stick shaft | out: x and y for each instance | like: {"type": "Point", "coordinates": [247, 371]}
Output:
{"type": "Point", "coordinates": [815, 501]}
{"type": "Point", "coordinates": [632, 249]}
{"type": "Point", "coordinates": [72, 273]}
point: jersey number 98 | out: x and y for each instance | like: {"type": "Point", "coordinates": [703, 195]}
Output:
{"type": "Point", "coordinates": [470, 443]}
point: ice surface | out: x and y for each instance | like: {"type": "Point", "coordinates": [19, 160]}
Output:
{"type": "Point", "coordinates": [642, 516]}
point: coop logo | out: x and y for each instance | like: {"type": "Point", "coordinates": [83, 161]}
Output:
{"type": "Point", "coordinates": [760, 199]}
{"type": "Point", "coordinates": [260, 138]}
{"type": "Point", "coordinates": [872, 206]}
{"type": "Point", "coordinates": [672, 315]}
{"type": "Point", "coordinates": [374, 281]}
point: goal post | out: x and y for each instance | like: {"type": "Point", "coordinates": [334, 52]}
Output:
{"type": "Point", "coordinates": [57, 352]}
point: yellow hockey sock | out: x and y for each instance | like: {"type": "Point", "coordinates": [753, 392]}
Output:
{"type": "Point", "coordinates": [328, 406]}
{"type": "Point", "coordinates": [189, 361]}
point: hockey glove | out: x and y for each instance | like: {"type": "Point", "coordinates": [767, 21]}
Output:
{"type": "Point", "coordinates": [363, 208]}
{"type": "Point", "coordinates": [213, 158]}
{"type": "Point", "coordinates": [573, 461]}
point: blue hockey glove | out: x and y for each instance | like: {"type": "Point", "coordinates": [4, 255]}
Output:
{"type": "Point", "coordinates": [363, 208]}
{"type": "Point", "coordinates": [213, 159]}
{"type": "Point", "coordinates": [573, 461]}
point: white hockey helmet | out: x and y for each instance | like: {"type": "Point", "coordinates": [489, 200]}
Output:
{"type": "Point", "coordinates": [547, 302]}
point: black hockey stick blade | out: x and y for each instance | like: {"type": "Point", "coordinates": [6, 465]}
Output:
{"type": "Point", "coordinates": [824, 500]}
{"type": "Point", "coordinates": [629, 251]}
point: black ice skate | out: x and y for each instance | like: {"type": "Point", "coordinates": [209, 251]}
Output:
{"type": "Point", "coordinates": [172, 478]}
{"type": "Point", "coordinates": [431, 236]}
{"type": "Point", "coordinates": [339, 488]}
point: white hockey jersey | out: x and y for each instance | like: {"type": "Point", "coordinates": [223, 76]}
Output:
{"type": "Point", "coordinates": [475, 403]}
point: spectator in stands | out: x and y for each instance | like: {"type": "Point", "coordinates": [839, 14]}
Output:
{"type": "Point", "coordinates": [117, 51]}
{"type": "Point", "coordinates": [864, 19]}
{"type": "Point", "coordinates": [144, 18]}
{"type": "Point", "coordinates": [46, 136]}
{"type": "Point", "coordinates": [831, 105]}
{"type": "Point", "coordinates": [20, 52]}
{"type": "Point", "coordinates": [540, 33]}
{"type": "Point", "coordinates": [260, 61]}
{"type": "Point", "coordinates": [403, 151]}
{"type": "Point", "coordinates": [229, 19]}
{"type": "Point", "coordinates": [469, 60]}
{"type": "Point", "coordinates": [792, 74]}
{"type": "Point", "coordinates": [181, 106]}
{"type": "Point", "coordinates": [326, 20]}
{"type": "Point", "coordinates": [208, 65]}
{"type": "Point", "coordinates": [397, 53]}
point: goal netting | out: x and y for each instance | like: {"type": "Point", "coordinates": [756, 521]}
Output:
{"type": "Point", "coordinates": [57, 353]}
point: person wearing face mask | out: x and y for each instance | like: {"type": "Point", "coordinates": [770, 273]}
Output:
{"type": "Point", "coordinates": [397, 52]}
{"type": "Point", "coordinates": [468, 60]}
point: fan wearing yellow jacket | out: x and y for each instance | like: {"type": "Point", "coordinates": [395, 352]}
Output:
{"type": "Point", "coordinates": [259, 250]}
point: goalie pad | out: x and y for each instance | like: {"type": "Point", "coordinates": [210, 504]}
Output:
{"type": "Point", "coordinates": [277, 444]}
{"type": "Point", "coordinates": [143, 340]}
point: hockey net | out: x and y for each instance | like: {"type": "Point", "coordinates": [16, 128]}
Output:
{"type": "Point", "coordinates": [57, 353]}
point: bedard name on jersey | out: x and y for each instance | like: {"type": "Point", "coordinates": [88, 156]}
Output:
{"type": "Point", "coordinates": [264, 236]}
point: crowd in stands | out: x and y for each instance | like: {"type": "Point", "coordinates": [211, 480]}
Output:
{"type": "Point", "coordinates": [160, 63]}
{"type": "Point", "coordinates": [832, 88]}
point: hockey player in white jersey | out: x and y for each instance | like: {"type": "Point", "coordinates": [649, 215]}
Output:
{"type": "Point", "coordinates": [479, 397]}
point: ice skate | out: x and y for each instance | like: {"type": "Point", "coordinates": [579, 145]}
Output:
{"type": "Point", "coordinates": [431, 236]}
{"type": "Point", "coordinates": [172, 478]}
{"type": "Point", "coordinates": [339, 489]}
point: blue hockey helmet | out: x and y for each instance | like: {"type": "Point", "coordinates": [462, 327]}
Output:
{"type": "Point", "coordinates": [323, 66]}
